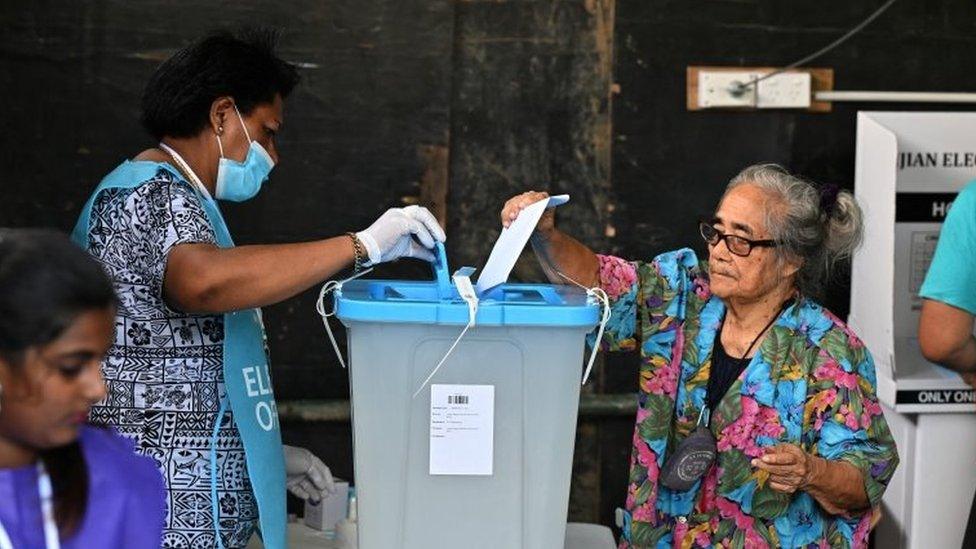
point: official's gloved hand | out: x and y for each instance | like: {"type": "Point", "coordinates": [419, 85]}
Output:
{"type": "Point", "coordinates": [401, 232]}
{"type": "Point", "coordinates": [308, 478]}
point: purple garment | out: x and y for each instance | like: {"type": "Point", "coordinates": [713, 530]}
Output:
{"type": "Point", "coordinates": [126, 500]}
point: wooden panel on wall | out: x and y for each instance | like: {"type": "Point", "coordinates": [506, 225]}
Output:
{"type": "Point", "coordinates": [530, 110]}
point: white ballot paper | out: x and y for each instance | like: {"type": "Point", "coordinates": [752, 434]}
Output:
{"type": "Point", "coordinates": [512, 241]}
{"type": "Point", "coordinates": [462, 429]}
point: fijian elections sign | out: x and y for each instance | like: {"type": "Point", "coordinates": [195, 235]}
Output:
{"type": "Point", "coordinates": [922, 207]}
{"type": "Point", "coordinates": [936, 159]}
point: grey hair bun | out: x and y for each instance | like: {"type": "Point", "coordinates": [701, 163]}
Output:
{"type": "Point", "coordinates": [844, 228]}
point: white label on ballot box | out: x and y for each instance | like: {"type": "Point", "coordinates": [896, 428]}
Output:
{"type": "Point", "coordinates": [462, 429]}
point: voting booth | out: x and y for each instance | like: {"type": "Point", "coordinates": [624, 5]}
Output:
{"type": "Point", "coordinates": [909, 168]}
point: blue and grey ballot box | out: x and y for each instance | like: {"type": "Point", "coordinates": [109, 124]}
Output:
{"type": "Point", "coordinates": [479, 453]}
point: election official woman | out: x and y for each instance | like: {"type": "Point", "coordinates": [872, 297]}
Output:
{"type": "Point", "coordinates": [187, 374]}
{"type": "Point", "coordinates": [758, 423]}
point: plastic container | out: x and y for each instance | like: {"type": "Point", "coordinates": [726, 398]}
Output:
{"type": "Point", "coordinates": [528, 344]}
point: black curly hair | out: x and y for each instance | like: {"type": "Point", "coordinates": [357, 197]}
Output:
{"type": "Point", "coordinates": [242, 65]}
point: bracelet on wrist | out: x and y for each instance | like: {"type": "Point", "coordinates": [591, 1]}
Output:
{"type": "Point", "coordinates": [359, 253]}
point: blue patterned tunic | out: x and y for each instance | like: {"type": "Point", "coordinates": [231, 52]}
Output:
{"type": "Point", "coordinates": [164, 372]}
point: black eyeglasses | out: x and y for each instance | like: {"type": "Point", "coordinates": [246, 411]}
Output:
{"type": "Point", "coordinates": [738, 245]}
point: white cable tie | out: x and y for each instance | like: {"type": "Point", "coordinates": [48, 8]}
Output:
{"type": "Point", "coordinates": [328, 288]}
{"type": "Point", "coordinates": [462, 281]}
{"type": "Point", "coordinates": [601, 296]}
{"type": "Point", "coordinates": [443, 360]}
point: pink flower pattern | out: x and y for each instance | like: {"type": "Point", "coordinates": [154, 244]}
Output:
{"type": "Point", "coordinates": [831, 370]}
{"type": "Point", "coordinates": [664, 381]}
{"type": "Point", "coordinates": [617, 276]}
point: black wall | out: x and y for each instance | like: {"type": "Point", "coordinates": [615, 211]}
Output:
{"type": "Point", "coordinates": [376, 87]}
{"type": "Point", "coordinates": [402, 97]}
{"type": "Point", "coordinates": [375, 94]}
{"type": "Point", "coordinates": [664, 154]}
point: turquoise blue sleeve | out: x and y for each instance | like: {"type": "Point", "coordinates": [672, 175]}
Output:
{"type": "Point", "coordinates": [952, 276]}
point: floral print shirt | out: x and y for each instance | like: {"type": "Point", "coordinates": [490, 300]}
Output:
{"type": "Point", "coordinates": [811, 383]}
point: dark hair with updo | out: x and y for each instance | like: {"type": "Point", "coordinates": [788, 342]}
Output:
{"type": "Point", "coordinates": [820, 226]}
{"type": "Point", "coordinates": [45, 283]}
{"type": "Point", "coordinates": [245, 66]}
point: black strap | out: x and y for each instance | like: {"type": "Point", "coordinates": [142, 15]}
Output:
{"type": "Point", "coordinates": [763, 331]}
{"type": "Point", "coordinates": [719, 385]}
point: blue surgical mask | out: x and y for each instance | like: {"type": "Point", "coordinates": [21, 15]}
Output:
{"type": "Point", "coordinates": [240, 181]}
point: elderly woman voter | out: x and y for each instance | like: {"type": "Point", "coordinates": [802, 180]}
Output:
{"type": "Point", "coordinates": [187, 374]}
{"type": "Point", "coordinates": [758, 424]}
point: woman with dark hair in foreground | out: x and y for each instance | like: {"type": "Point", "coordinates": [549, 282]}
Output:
{"type": "Point", "coordinates": [63, 483]}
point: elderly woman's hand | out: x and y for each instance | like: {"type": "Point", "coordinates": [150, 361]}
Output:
{"type": "Point", "coordinates": [837, 485]}
{"type": "Point", "coordinates": [561, 256]}
{"type": "Point", "coordinates": [789, 467]}
{"type": "Point", "coordinates": [517, 203]}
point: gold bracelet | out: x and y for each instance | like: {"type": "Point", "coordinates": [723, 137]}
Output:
{"type": "Point", "coordinates": [359, 253]}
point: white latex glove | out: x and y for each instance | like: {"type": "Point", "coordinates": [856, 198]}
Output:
{"type": "Point", "coordinates": [308, 478]}
{"type": "Point", "coordinates": [397, 232]}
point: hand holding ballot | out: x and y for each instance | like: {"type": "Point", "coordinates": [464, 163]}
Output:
{"type": "Point", "coordinates": [562, 257]}
{"type": "Point", "coordinates": [522, 218]}
{"type": "Point", "coordinates": [517, 203]}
